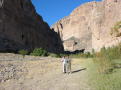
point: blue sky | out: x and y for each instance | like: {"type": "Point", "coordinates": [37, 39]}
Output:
{"type": "Point", "coordinates": [54, 10]}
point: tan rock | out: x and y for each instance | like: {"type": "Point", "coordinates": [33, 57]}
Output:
{"type": "Point", "coordinates": [91, 23]}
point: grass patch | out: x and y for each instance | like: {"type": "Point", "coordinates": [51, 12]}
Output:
{"type": "Point", "coordinates": [105, 69]}
{"type": "Point", "coordinates": [55, 55]}
{"type": "Point", "coordinates": [82, 55]}
{"type": "Point", "coordinates": [108, 59]}
{"type": "Point", "coordinates": [101, 81]}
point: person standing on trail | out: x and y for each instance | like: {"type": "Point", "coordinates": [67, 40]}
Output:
{"type": "Point", "coordinates": [64, 60]}
{"type": "Point", "coordinates": [68, 64]}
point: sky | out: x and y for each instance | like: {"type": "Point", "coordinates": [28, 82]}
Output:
{"type": "Point", "coordinates": [54, 10]}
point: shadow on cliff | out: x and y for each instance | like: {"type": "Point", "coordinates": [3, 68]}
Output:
{"type": "Point", "coordinates": [74, 52]}
{"type": "Point", "coordinates": [62, 47]}
{"type": "Point", "coordinates": [58, 43]}
{"type": "Point", "coordinates": [26, 30]}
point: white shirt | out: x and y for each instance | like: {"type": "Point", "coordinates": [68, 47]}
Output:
{"type": "Point", "coordinates": [64, 60]}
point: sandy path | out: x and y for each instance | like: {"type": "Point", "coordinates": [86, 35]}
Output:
{"type": "Point", "coordinates": [47, 75]}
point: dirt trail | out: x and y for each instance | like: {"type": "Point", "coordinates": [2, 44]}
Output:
{"type": "Point", "coordinates": [47, 75]}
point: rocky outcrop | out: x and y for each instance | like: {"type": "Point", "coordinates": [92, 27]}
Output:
{"type": "Point", "coordinates": [91, 24]}
{"type": "Point", "coordinates": [22, 28]}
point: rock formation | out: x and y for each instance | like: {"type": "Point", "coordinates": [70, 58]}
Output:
{"type": "Point", "coordinates": [88, 26]}
{"type": "Point", "coordinates": [22, 28]}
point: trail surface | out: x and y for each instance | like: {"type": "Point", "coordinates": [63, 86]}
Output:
{"type": "Point", "coordinates": [43, 75]}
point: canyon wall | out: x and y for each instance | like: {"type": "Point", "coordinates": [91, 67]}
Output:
{"type": "Point", "coordinates": [22, 28]}
{"type": "Point", "coordinates": [89, 26]}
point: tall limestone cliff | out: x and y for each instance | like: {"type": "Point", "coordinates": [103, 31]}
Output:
{"type": "Point", "coordinates": [89, 26]}
{"type": "Point", "coordinates": [22, 28]}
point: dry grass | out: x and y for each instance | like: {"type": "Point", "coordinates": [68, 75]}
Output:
{"type": "Point", "coordinates": [47, 75]}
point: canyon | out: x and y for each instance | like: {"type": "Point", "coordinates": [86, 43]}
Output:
{"type": "Point", "coordinates": [22, 28]}
{"type": "Point", "coordinates": [89, 26]}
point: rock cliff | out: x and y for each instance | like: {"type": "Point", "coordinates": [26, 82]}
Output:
{"type": "Point", "coordinates": [22, 28]}
{"type": "Point", "coordinates": [89, 26]}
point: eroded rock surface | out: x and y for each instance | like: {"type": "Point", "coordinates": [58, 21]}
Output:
{"type": "Point", "coordinates": [22, 28]}
{"type": "Point", "coordinates": [91, 24]}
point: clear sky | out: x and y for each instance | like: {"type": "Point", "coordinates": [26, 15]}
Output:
{"type": "Point", "coordinates": [54, 10]}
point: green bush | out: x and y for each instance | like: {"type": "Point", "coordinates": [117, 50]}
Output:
{"type": "Point", "coordinates": [39, 52]}
{"type": "Point", "coordinates": [23, 52]}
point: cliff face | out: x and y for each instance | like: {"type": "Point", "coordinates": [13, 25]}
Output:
{"type": "Point", "coordinates": [22, 28]}
{"type": "Point", "coordinates": [90, 25]}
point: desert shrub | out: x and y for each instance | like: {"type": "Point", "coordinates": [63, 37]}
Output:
{"type": "Point", "coordinates": [112, 53]}
{"type": "Point", "coordinates": [39, 52]}
{"type": "Point", "coordinates": [45, 53]}
{"type": "Point", "coordinates": [103, 75]}
{"type": "Point", "coordinates": [61, 55]}
{"type": "Point", "coordinates": [88, 55]}
{"type": "Point", "coordinates": [23, 52]}
{"type": "Point", "coordinates": [106, 58]}
{"type": "Point", "coordinates": [115, 29]}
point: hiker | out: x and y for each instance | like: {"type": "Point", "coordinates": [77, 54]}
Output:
{"type": "Point", "coordinates": [68, 64]}
{"type": "Point", "coordinates": [64, 60]}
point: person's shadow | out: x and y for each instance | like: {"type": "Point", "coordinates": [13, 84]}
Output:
{"type": "Point", "coordinates": [79, 70]}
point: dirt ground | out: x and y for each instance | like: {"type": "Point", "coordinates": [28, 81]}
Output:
{"type": "Point", "coordinates": [43, 74]}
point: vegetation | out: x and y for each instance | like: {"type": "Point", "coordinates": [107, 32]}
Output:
{"type": "Point", "coordinates": [104, 67]}
{"type": "Point", "coordinates": [105, 70]}
{"type": "Point", "coordinates": [23, 52]}
{"type": "Point", "coordinates": [55, 55]}
{"type": "Point", "coordinates": [101, 81]}
{"type": "Point", "coordinates": [82, 55]}
{"type": "Point", "coordinates": [42, 52]}
{"type": "Point", "coordinates": [39, 52]}
{"type": "Point", "coordinates": [115, 30]}
{"type": "Point", "coordinates": [108, 59]}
